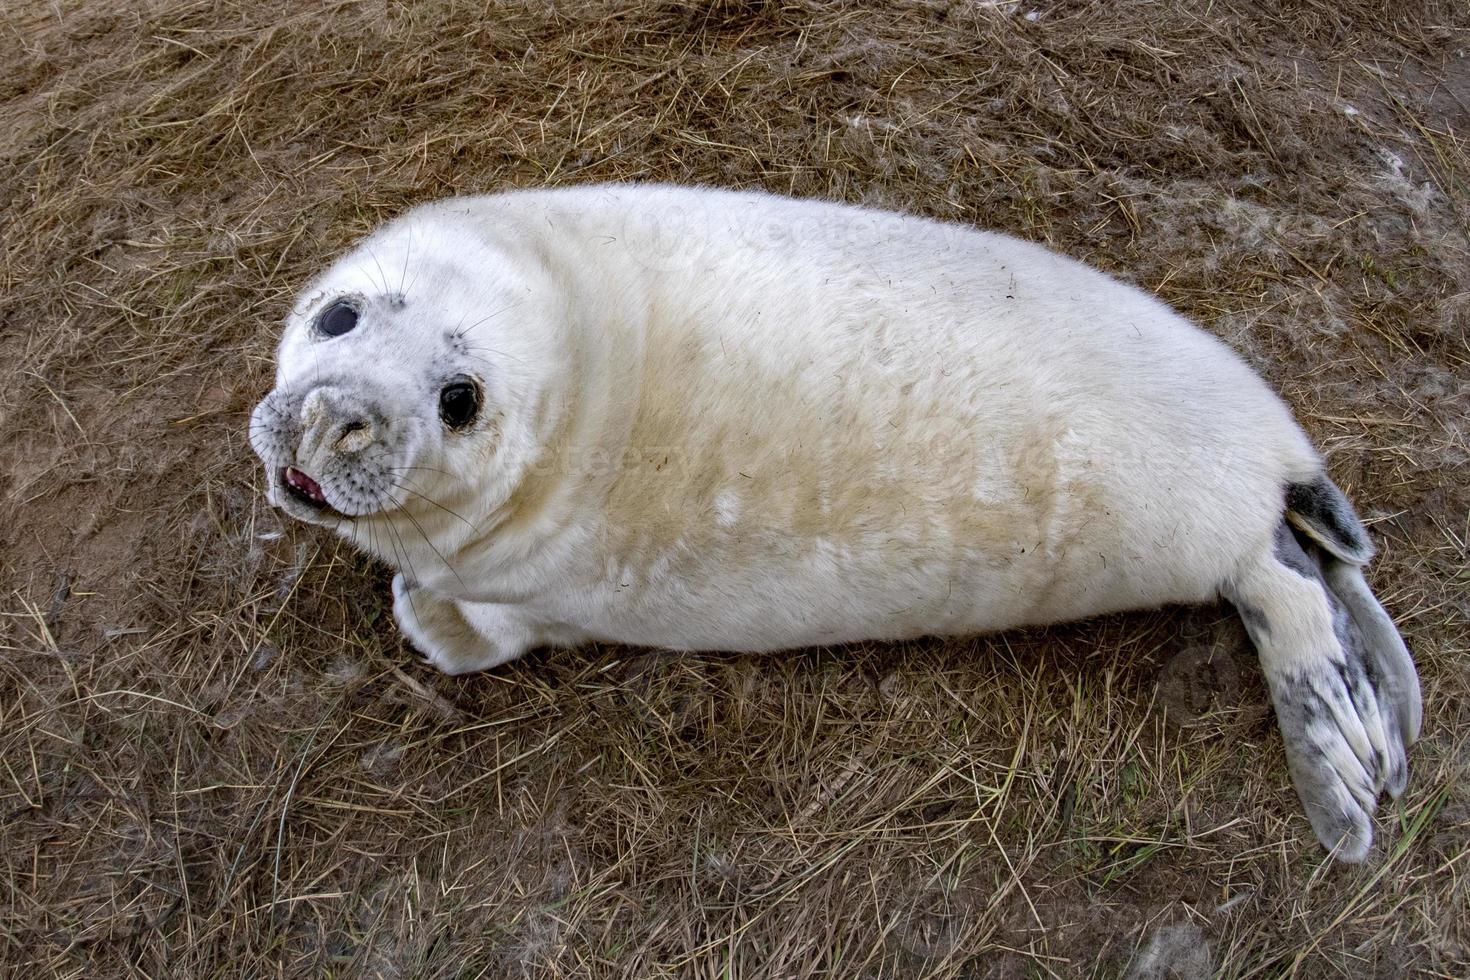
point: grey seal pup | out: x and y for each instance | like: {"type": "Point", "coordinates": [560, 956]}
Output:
{"type": "Point", "coordinates": [698, 419]}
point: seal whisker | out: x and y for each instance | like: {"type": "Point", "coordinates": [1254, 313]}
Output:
{"type": "Point", "coordinates": [461, 330]}
{"type": "Point", "coordinates": [400, 550]}
{"type": "Point", "coordinates": [402, 562]}
{"type": "Point", "coordinates": [434, 503]}
{"type": "Point", "coordinates": [407, 256]}
{"type": "Point", "coordinates": [398, 505]}
{"type": "Point", "coordinates": [426, 469]}
{"type": "Point", "coordinates": [382, 281]}
{"type": "Point", "coordinates": [414, 281]}
{"type": "Point", "coordinates": [382, 454]}
{"type": "Point", "coordinates": [486, 360]}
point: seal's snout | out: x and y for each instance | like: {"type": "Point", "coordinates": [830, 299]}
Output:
{"type": "Point", "coordinates": [346, 436]}
{"type": "Point", "coordinates": [334, 422]}
{"type": "Point", "coordinates": [332, 451]}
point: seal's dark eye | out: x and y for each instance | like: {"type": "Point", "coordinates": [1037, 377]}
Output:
{"type": "Point", "coordinates": [459, 403]}
{"type": "Point", "coordinates": [337, 319]}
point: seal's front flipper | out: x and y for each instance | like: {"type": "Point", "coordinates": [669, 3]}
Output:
{"type": "Point", "coordinates": [1344, 687]}
{"type": "Point", "coordinates": [458, 637]}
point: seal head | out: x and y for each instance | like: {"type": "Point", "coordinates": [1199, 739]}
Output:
{"type": "Point", "coordinates": [391, 390]}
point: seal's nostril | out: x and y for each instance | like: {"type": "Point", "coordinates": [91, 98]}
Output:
{"type": "Point", "coordinates": [354, 435]}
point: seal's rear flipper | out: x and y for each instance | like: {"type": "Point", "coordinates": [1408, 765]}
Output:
{"type": "Point", "coordinates": [1322, 512]}
{"type": "Point", "coordinates": [1382, 642]}
{"type": "Point", "coordinates": [1344, 686]}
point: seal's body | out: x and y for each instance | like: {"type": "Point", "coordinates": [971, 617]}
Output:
{"type": "Point", "coordinates": [707, 420]}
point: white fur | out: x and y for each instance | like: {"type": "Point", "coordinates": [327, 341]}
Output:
{"type": "Point", "coordinates": [736, 421]}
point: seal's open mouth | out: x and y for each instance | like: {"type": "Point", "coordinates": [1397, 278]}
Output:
{"type": "Point", "coordinates": [303, 488]}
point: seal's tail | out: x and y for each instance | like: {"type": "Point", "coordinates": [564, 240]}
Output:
{"type": "Point", "coordinates": [1323, 513]}
{"type": "Point", "coordinates": [1345, 688]}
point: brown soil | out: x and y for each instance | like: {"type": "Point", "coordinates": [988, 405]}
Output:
{"type": "Point", "coordinates": [216, 756]}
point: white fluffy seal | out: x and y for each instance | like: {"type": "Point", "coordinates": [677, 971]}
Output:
{"type": "Point", "coordinates": [707, 420]}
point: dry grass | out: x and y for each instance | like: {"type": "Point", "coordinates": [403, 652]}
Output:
{"type": "Point", "coordinates": [216, 756]}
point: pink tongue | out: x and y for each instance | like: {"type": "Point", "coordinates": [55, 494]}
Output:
{"type": "Point", "coordinates": [304, 483]}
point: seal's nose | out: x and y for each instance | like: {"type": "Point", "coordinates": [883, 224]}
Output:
{"type": "Point", "coordinates": [334, 421]}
